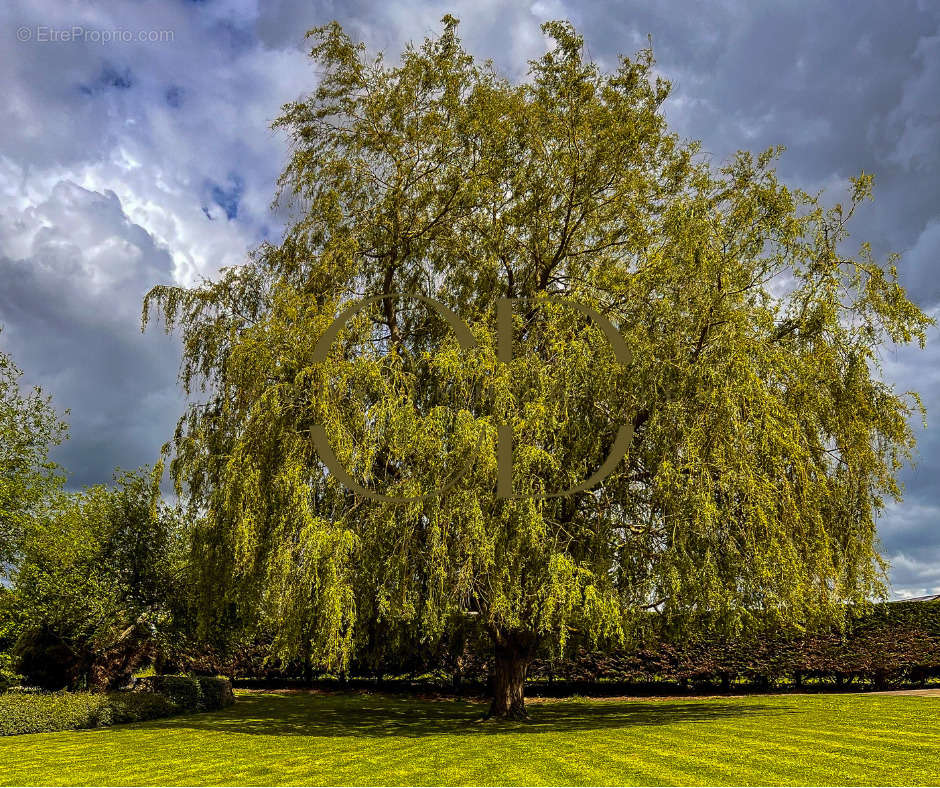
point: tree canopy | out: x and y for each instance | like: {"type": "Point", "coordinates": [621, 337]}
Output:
{"type": "Point", "coordinates": [99, 584]}
{"type": "Point", "coordinates": [28, 428]}
{"type": "Point", "coordinates": [765, 439]}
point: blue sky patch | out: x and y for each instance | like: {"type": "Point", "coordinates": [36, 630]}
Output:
{"type": "Point", "coordinates": [227, 196]}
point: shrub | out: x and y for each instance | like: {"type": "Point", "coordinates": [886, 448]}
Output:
{"type": "Point", "coordinates": [201, 693]}
{"type": "Point", "coordinates": [181, 690]}
{"type": "Point", "coordinates": [46, 660]}
{"type": "Point", "coordinates": [8, 677]}
{"type": "Point", "coordinates": [41, 712]}
{"type": "Point", "coordinates": [216, 692]}
{"type": "Point", "coordinates": [31, 710]}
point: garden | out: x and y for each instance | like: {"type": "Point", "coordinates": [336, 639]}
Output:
{"type": "Point", "coordinates": [540, 450]}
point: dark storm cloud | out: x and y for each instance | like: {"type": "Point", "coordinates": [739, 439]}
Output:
{"type": "Point", "coordinates": [70, 311]}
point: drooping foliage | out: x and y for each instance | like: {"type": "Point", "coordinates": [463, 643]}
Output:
{"type": "Point", "coordinates": [765, 439]}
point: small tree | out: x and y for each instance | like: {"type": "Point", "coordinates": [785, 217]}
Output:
{"type": "Point", "coordinates": [764, 440]}
{"type": "Point", "coordinates": [28, 428]}
{"type": "Point", "coordinates": [97, 584]}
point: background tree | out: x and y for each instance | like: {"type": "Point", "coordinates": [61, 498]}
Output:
{"type": "Point", "coordinates": [28, 428]}
{"type": "Point", "coordinates": [98, 584]}
{"type": "Point", "coordinates": [765, 441]}
{"type": "Point", "coordinates": [9, 633]}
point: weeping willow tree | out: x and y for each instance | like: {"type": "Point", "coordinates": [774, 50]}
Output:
{"type": "Point", "coordinates": [764, 439]}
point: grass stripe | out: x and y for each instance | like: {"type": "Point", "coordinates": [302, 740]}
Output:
{"type": "Point", "coordinates": [369, 740]}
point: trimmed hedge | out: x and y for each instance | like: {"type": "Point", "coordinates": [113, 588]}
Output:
{"type": "Point", "coordinates": [42, 712]}
{"type": "Point", "coordinates": [891, 643]}
{"type": "Point", "coordinates": [190, 693]}
{"type": "Point", "coordinates": [29, 711]}
{"type": "Point", "coordinates": [895, 643]}
{"type": "Point", "coordinates": [216, 692]}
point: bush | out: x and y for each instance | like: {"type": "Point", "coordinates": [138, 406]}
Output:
{"type": "Point", "coordinates": [41, 712]}
{"type": "Point", "coordinates": [8, 677]}
{"type": "Point", "coordinates": [200, 693]}
{"type": "Point", "coordinates": [216, 692]}
{"type": "Point", "coordinates": [180, 690]}
{"type": "Point", "coordinates": [46, 660]}
{"type": "Point", "coordinates": [32, 710]}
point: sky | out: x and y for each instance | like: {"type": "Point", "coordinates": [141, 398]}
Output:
{"type": "Point", "coordinates": [136, 150]}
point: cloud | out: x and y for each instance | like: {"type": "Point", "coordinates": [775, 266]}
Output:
{"type": "Point", "coordinates": [507, 32]}
{"type": "Point", "coordinates": [160, 123]}
{"type": "Point", "coordinates": [74, 270]}
{"type": "Point", "coordinates": [921, 264]}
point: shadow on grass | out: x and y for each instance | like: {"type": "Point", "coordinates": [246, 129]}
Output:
{"type": "Point", "coordinates": [379, 716]}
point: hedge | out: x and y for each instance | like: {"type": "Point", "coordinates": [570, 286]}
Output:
{"type": "Point", "coordinates": [22, 712]}
{"type": "Point", "coordinates": [152, 697]}
{"type": "Point", "coordinates": [189, 693]}
{"type": "Point", "coordinates": [895, 643]}
{"type": "Point", "coordinates": [892, 643]}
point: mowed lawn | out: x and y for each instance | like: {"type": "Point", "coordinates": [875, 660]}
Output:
{"type": "Point", "coordinates": [285, 738]}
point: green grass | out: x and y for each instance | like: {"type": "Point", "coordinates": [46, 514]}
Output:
{"type": "Point", "coordinates": [375, 739]}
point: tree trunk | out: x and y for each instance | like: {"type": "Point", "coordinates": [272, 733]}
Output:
{"type": "Point", "coordinates": [511, 663]}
